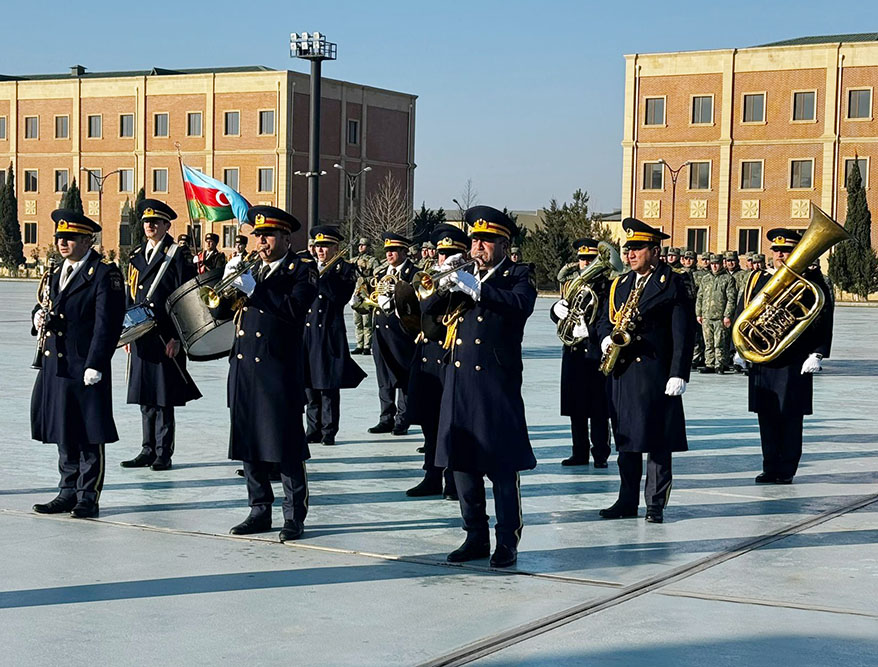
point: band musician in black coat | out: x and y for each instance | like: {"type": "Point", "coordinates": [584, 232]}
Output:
{"type": "Point", "coordinates": [72, 399]}
{"type": "Point", "coordinates": [329, 366]}
{"type": "Point", "coordinates": [158, 380]}
{"type": "Point", "coordinates": [648, 380]}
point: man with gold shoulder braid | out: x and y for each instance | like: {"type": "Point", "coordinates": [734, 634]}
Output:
{"type": "Point", "coordinates": [72, 399]}
{"type": "Point", "coordinates": [781, 391]}
{"type": "Point", "coordinates": [652, 304]}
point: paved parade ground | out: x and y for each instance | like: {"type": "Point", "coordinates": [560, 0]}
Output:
{"type": "Point", "coordinates": [737, 574]}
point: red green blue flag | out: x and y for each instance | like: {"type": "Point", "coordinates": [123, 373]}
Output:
{"type": "Point", "coordinates": [212, 200]}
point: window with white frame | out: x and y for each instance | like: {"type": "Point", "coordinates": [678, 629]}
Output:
{"type": "Point", "coordinates": [699, 175]}
{"type": "Point", "coordinates": [804, 105]}
{"type": "Point", "coordinates": [860, 103]}
{"type": "Point", "coordinates": [229, 233]}
{"type": "Point", "coordinates": [863, 164]}
{"type": "Point", "coordinates": [94, 126]}
{"type": "Point", "coordinates": [230, 177]}
{"type": "Point", "coordinates": [748, 240]}
{"type": "Point", "coordinates": [266, 122]}
{"type": "Point", "coordinates": [126, 180]}
{"type": "Point", "coordinates": [62, 177]}
{"type": "Point", "coordinates": [266, 179]}
{"type": "Point", "coordinates": [159, 180]}
{"type": "Point", "coordinates": [702, 109]}
{"type": "Point", "coordinates": [94, 180]}
{"type": "Point", "coordinates": [2, 127]}
{"type": "Point", "coordinates": [193, 124]}
{"type": "Point", "coordinates": [653, 176]}
{"type": "Point", "coordinates": [31, 180]}
{"type": "Point", "coordinates": [126, 125]}
{"type": "Point", "coordinates": [754, 108]}
{"type": "Point", "coordinates": [696, 239]}
{"type": "Point", "coordinates": [30, 232]}
{"type": "Point", "coordinates": [655, 111]}
{"type": "Point", "coordinates": [751, 175]}
{"type": "Point", "coordinates": [232, 123]}
{"type": "Point", "coordinates": [161, 124]}
{"type": "Point", "coordinates": [31, 127]}
{"type": "Point", "coordinates": [62, 127]}
{"type": "Point", "coordinates": [801, 174]}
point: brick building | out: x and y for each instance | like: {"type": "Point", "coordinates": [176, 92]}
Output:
{"type": "Point", "coordinates": [247, 126]}
{"type": "Point", "coordinates": [757, 135]}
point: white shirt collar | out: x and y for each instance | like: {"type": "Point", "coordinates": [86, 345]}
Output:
{"type": "Point", "coordinates": [75, 265]}
{"type": "Point", "coordinates": [276, 263]}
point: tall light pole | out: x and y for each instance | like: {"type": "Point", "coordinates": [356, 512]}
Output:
{"type": "Point", "coordinates": [99, 179]}
{"type": "Point", "coordinates": [674, 174]}
{"type": "Point", "coordinates": [462, 225]}
{"type": "Point", "coordinates": [352, 185]}
{"type": "Point", "coordinates": [315, 48]}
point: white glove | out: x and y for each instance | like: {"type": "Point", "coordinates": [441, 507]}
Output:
{"type": "Point", "coordinates": [385, 302]}
{"type": "Point", "coordinates": [738, 360]}
{"type": "Point", "coordinates": [675, 387]}
{"type": "Point", "coordinates": [605, 344]}
{"type": "Point", "coordinates": [812, 364]}
{"type": "Point", "coordinates": [453, 261]}
{"type": "Point", "coordinates": [39, 316]}
{"type": "Point", "coordinates": [580, 330]}
{"type": "Point", "coordinates": [561, 309]}
{"type": "Point", "coordinates": [245, 283]}
{"type": "Point", "coordinates": [91, 376]}
{"type": "Point", "coordinates": [461, 281]}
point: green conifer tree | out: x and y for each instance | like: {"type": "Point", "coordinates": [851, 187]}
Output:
{"type": "Point", "coordinates": [853, 264]}
{"type": "Point", "coordinates": [72, 197]}
{"type": "Point", "coordinates": [137, 235]}
{"type": "Point", "coordinates": [11, 248]}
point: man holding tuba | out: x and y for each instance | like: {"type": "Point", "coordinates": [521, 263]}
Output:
{"type": "Point", "coordinates": [583, 386]}
{"type": "Point", "coordinates": [781, 390]}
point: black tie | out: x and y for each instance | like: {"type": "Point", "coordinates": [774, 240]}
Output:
{"type": "Point", "coordinates": [149, 255]}
{"type": "Point", "coordinates": [263, 272]}
{"type": "Point", "coordinates": [67, 273]}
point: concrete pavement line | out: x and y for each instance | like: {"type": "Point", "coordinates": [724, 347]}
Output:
{"type": "Point", "coordinates": [501, 640]}
{"type": "Point", "coordinates": [719, 493]}
{"type": "Point", "coordinates": [766, 603]}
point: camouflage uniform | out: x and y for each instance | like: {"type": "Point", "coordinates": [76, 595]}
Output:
{"type": "Point", "coordinates": [717, 298]}
{"type": "Point", "coordinates": [695, 276]}
{"type": "Point", "coordinates": [366, 265]}
{"type": "Point", "coordinates": [739, 275]}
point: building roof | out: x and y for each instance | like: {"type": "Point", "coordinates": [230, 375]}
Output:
{"type": "Point", "coordinates": [80, 72]}
{"type": "Point", "coordinates": [827, 39]}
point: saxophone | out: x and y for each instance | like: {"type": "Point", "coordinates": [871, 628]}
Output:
{"type": "Point", "coordinates": [623, 321]}
{"type": "Point", "coordinates": [45, 301]}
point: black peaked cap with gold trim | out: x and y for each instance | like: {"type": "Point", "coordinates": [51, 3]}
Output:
{"type": "Point", "coordinates": [586, 247]}
{"type": "Point", "coordinates": [323, 234]}
{"type": "Point", "coordinates": [240, 238]}
{"type": "Point", "coordinates": [488, 221]}
{"type": "Point", "coordinates": [450, 239]}
{"type": "Point", "coordinates": [782, 238]}
{"type": "Point", "coordinates": [155, 208]}
{"type": "Point", "coordinates": [639, 234]}
{"type": "Point", "coordinates": [393, 241]}
{"type": "Point", "coordinates": [270, 218]}
{"type": "Point", "coordinates": [68, 221]}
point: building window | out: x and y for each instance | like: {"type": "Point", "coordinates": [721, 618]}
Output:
{"type": "Point", "coordinates": [860, 103]}
{"type": "Point", "coordinates": [94, 127]}
{"type": "Point", "coordinates": [232, 123]}
{"type": "Point", "coordinates": [266, 179]}
{"type": "Point", "coordinates": [751, 175]}
{"type": "Point", "coordinates": [801, 174]}
{"type": "Point", "coordinates": [94, 180]}
{"type": "Point", "coordinates": [30, 232]}
{"type": "Point", "coordinates": [653, 176]}
{"type": "Point", "coordinates": [160, 125]}
{"type": "Point", "coordinates": [193, 124]}
{"type": "Point", "coordinates": [699, 175]}
{"type": "Point", "coordinates": [159, 180]}
{"type": "Point", "coordinates": [655, 111]}
{"type": "Point", "coordinates": [702, 109]}
{"type": "Point", "coordinates": [62, 127]}
{"type": "Point", "coordinates": [196, 230]}
{"type": "Point", "coordinates": [31, 127]}
{"type": "Point", "coordinates": [353, 131]}
{"type": "Point", "coordinates": [863, 164]}
{"type": "Point", "coordinates": [229, 232]}
{"type": "Point", "coordinates": [754, 108]}
{"type": "Point", "coordinates": [31, 182]}
{"type": "Point", "coordinates": [126, 180]}
{"type": "Point", "coordinates": [126, 125]}
{"type": "Point", "coordinates": [2, 127]}
{"type": "Point", "coordinates": [124, 234]}
{"type": "Point", "coordinates": [230, 177]}
{"type": "Point", "coordinates": [61, 180]}
{"type": "Point", "coordinates": [696, 239]}
{"type": "Point", "coordinates": [748, 240]}
{"type": "Point", "coordinates": [2, 178]}
{"type": "Point", "coordinates": [266, 122]}
{"type": "Point", "coordinates": [804, 105]}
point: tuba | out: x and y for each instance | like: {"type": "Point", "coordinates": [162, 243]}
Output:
{"type": "Point", "coordinates": [788, 303]}
{"type": "Point", "coordinates": [581, 297]}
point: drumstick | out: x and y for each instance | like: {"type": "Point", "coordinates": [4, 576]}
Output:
{"type": "Point", "coordinates": [182, 374]}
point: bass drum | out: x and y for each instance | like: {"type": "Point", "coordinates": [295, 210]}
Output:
{"type": "Point", "coordinates": [204, 336]}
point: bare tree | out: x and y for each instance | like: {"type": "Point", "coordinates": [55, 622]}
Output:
{"type": "Point", "coordinates": [470, 196]}
{"type": "Point", "coordinates": [386, 210]}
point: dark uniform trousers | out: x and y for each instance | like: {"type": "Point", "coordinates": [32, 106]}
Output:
{"type": "Point", "coordinates": [657, 488]}
{"type": "Point", "coordinates": [294, 479]}
{"type": "Point", "coordinates": [322, 412]}
{"type": "Point", "coordinates": [600, 437]}
{"type": "Point", "coordinates": [507, 505]}
{"type": "Point", "coordinates": [159, 427]}
{"type": "Point", "coordinates": [82, 469]}
{"type": "Point", "coordinates": [393, 406]}
{"type": "Point", "coordinates": [781, 437]}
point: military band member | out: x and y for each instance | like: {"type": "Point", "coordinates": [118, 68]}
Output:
{"type": "Point", "coordinates": [650, 376]}
{"type": "Point", "coordinates": [328, 364]}
{"type": "Point", "coordinates": [158, 379]}
{"type": "Point", "coordinates": [266, 391]}
{"type": "Point", "coordinates": [240, 250]}
{"type": "Point", "coordinates": [72, 399]}
{"type": "Point", "coordinates": [210, 258]}
{"type": "Point", "coordinates": [781, 391]}
{"type": "Point", "coordinates": [482, 427]}
{"type": "Point", "coordinates": [366, 266]}
{"type": "Point", "coordinates": [583, 386]}
{"type": "Point", "coordinates": [392, 347]}
{"type": "Point", "coordinates": [714, 307]}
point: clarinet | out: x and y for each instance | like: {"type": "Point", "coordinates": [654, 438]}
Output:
{"type": "Point", "coordinates": [45, 300]}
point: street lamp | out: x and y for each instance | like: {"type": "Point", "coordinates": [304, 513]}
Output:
{"type": "Point", "coordinates": [352, 184]}
{"type": "Point", "coordinates": [461, 212]}
{"type": "Point", "coordinates": [674, 174]}
{"type": "Point", "coordinates": [315, 48]}
{"type": "Point", "coordinates": [99, 179]}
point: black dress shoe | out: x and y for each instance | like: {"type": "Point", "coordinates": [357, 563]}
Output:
{"type": "Point", "coordinates": [450, 495]}
{"type": "Point", "coordinates": [139, 461]}
{"type": "Point", "coordinates": [601, 464]}
{"type": "Point", "coordinates": [766, 478]}
{"type": "Point", "coordinates": [239, 472]}
{"type": "Point", "coordinates": [504, 556]}
{"type": "Point", "coordinates": [382, 427]}
{"type": "Point", "coordinates": [706, 369]}
{"type": "Point", "coordinates": [161, 465]}
{"type": "Point", "coordinates": [400, 430]}
{"type": "Point", "coordinates": [85, 511]}
{"type": "Point", "coordinates": [312, 438]}
{"type": "Point", "coordinates": [357, 350]}
{"type": "Point", "coordinates": [470, 550]}
{"type": "Point", "coordinates": [428, 486]}
{"type": "Point", "coordinates": [292, 530]}
{"type": "Point", "coordinates": [367, 350]}
{"type": "Point", "coordinates": [654, 515]}
{"type": "Point", "coordinates": [252, 524]}
{"type": "Point", "coordinates": [273, 476]}
{"type": "Point", "coordinates": [617, 511]}
{"type": "Point", "coordinates": [328, 441]}
{"type": "Point", "coordinates": [57, 505]}
{"type": "Point", "coordinates": [575, 461]}
{"type": "Point", "coordinates": [420, 450]}
{"type": "Point", "coordinates": [783, 480]}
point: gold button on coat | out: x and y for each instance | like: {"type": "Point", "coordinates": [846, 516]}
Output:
{"type": "Point", "coordinates": [457, 364]}
{"type": "Point", "coordinates": [240, 356]}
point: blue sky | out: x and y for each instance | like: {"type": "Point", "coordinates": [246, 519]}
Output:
{"type": "Point", "coordinates": [525, 98]}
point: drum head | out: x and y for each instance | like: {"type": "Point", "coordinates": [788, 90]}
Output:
{"type": "Point", "coordinates": [204, 336]}
{"type": "Point", "coordinates": [138, 321]}
{"type": "Point", "coordinates": [214, 343]}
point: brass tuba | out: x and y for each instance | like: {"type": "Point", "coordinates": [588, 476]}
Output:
{"type": "Point", "coordinates": [581, 297]}
{"type": "Point", "coordinates": [788, 303]}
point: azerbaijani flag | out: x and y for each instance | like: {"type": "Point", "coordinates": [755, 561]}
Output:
{"type": "Point", "coordinates": [212, 200]}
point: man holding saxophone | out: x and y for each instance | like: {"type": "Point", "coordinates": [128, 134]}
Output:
{"type": "Point", "coordinates": [647, 331]}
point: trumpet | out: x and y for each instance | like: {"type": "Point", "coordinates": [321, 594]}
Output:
{"type": "Point", "coordinates": [45, 300]}
{"type": "Point", "coordinates": [332, 262]}
{"type": "Point", "coordinates": [426, 283]}
{"type": "Point", "coordinates": [212, 296]}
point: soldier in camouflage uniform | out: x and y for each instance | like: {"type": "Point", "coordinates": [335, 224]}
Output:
{"type": "Point", "coordinates": [428, 256]}
{"type": "Point", "coordinates": [674, 258]}
{"type": "Point", "coordinates": [366, 266]}
{"type": "Point", "coordinates": [714, 307]}
{"type": "Point", "coordinates": [515, 254]}
{"type": "Point", "coordinates": [689, 260]}
{"type": "Point", "coordinates": [739, 275]}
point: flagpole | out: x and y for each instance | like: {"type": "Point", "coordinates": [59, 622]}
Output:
{"type": "Point", "coordinates": [190, 228]}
